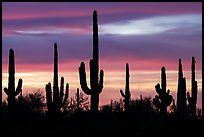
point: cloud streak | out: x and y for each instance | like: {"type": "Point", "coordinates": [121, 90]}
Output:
{"type": "Point", "coordinates": [21, 10]}
{"type": "Point", "coordinates": [152, 25]}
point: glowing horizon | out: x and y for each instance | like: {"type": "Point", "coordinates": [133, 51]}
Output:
{"type": "Point", "coordinates": [141, 82]}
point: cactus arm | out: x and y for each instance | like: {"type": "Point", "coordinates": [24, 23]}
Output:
{"type": "Point", "coordinates": [168, 100]}
{"type": "Point", "coordinates": [19, 87]}
{"type": "Point", "coordinates": [48, 95]}
{"type": "Point", "coordinates": [188, 96]}
{"type": "Point", "coordinates": [168, 91]}
{"type": "Point", "coordinates": [122, 94]}
{"type": "Point", "coordinates": [82, 76]}
{"type": "Point", "coordinates": [157, 102]}
{"type": "Point", "coordinates": [6, 91]}
{"type": "Point", "coordinates": [66, 94]}
{"type": "Point", "coordinates": [100, 85]}
{"type": "Point", "coordinates": [61, 89]}
{"type": "Point", "coordinates": [158, 89]}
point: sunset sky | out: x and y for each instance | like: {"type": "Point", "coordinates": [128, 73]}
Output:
{"type": "Point", "coordinates": [146, 35]}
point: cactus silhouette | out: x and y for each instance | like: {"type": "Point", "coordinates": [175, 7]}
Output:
{"type": "Point", "coordinates": [95, 84]}
{"type": "Point", "coordinates": [181, 93]}
{"type": "Point", "coordinates": [127, 95]}
{"type": "Point", "coordinates": [56, 102]}
{"type": "Point", "coordinates": [111, 105]}
{"type": "Point", "coordinates": [164, 99]}
{"type": "Point", "coordinates": [77, 95]}
{"type": "Point", "coordinates": [192, 100]}
{"type": "Point", "coordinates": [174, 106]}
{"type": "Point", "coordinates": [10, 91]}
{"type": "Point", "coordinates": [141, 98]}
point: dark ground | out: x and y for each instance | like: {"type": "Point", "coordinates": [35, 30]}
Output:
{"type": "Point", "coordinates": [103, 125]}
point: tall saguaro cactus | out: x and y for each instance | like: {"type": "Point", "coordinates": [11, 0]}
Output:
{"type": "Point", "coordinates": [95, 83]}
{"type": "Point", "coordinates": [181, 93]}
{"type": "Point", "coordinates": [192, 100]}
{"type": "Point", "coordinates": [127, 95]}
{"type": "Point", "coordinates": [57, 101]}
{"type": "Point", "coordinates": [164, 99]}
{"type": "Point", "coordinates": [10, 91]}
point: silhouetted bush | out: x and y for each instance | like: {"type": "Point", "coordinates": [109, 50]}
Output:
{"type": "Point", "coordinates": [26, 107]}
{"type": "Point", "coordinates": [71, 105]}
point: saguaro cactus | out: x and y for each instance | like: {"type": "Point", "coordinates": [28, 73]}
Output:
{"type": "Point", "coordinates": [181, 93]}
{"type": "Point", "coordinates": [111, 105]}
{"type": "Point", "coordinates": [10, 91]}
{"type": "Point", "coordinates": [127, 95]}
{"type": "Point", "coordinates": [192, 100]}
{"type": "Point", "coordinates": [56, 102]}
{"type": "Point", "coordinates": [96, 85]}
{"type": "Point", "coordinates": [141, 99]}
{"type": "Point", "coordinates": [174, 106]}
{"type": "Point", "coordinates": [164, 99]}
{"type": "Point", "coordinates": [77, 94]}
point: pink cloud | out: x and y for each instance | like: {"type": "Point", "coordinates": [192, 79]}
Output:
{"type": "Point", "coordinates": [25, 10]}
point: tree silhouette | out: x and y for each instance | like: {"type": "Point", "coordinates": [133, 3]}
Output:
{"type": "Point", "coordinates": [10, 91]}
{"type": "Point", "coordinates": [96, 85]}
